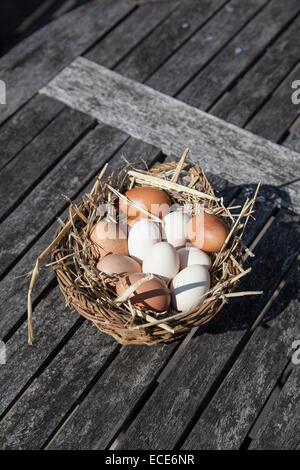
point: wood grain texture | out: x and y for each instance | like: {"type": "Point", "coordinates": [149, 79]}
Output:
{"type": "Point", "coordinates": [227, 419]}
{"type": "Point", "coordinates": [172, 125]}
{"type": "Point", "coordinates": [167, 37]}
{"type": "Point", "coordinates": [293, 139]}
{"type": "Point", "coordinates": [22, 174]}
{"type": "Point", "coordinates": [25, 125]}
{"type": "Point", "coordinates": [46, 327]}
{"type": "Point", "coordinates": [41, 408]}
{"type": "Point", "coordinates": [33, 62]}
{"type": "Point", "coordinates": [218, 75]}
{"type": "Point", "coordinates": [35, 115]}
{"type": "Point", "coordinates": [52, 321]}
{"type": "Point", "coordinates": [277, 115]}
{"type": "Point", "coordinates": [200, 370]}
{"type": "Point", "coordinates": [127, 35]}
{"type": "Point", "coordinates": [280, 430]}
{"type": "Point", "coordinates": [104, 410]}
{"type": "Point", "coordinates": [192, 56]}
{"type": "Point", "coordinates": [14, 286]}
{"type": "Point", "coordinates": [43, 204]}
{"type": "Point", "coordinates": [251, 91]}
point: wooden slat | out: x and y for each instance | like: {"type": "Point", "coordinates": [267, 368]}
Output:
{"type": "Point", "coordinates": [60, 384]}
{"type": "Point", "coordinates": [43, 405]}
{"type": "Point", "coordinates": [52, 322]}
{"type": "Point", "coordinates": [27, 123]}
{"type": "Point", "coordinates": [261, 80]}
{"type": "Point", "coordinates": [33, 62]}
{"type": "Point", "coordinates": [46, 326]}
{"type": "Point", "coordinates": [45, 201]}
{"type": "Point", "coordinates": [24, 126]}
{"type": "Point", "coordinates": [34, 402]}
{"type": "Point", "coordinates": [293, 139]}
{"type": "Point", "coordinates": [14, 286]}
{"type": "Point", "coordinates": [276, 116]}
{"type": "Point", "coordinates": [225, 422]}
{"type": "Point", "coordinates": [129, 33]}
{"type": "Point", "coordinates": [167, 37]}
{"type": "Point", "coordinates": [20, 175]}
{"type": "Point", "coordinates": [125, 104]}
{"type": "Point", "coordinates": [209, 354]}
{"type": "Point", "coordinates": [178, 70]}
{"type": "Point", "coordinates": [112, 399]}
{"type": "Point", "coordinates": [211, 83]}
{"type": "Point", "coordinates": [280, 430]}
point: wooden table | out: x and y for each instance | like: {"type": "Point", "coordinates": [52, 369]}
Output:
{"type": "Point", "coordinates": [149, 78]}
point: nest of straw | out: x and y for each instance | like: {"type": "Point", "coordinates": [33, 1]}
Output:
{"type": "Point", "coordinates": [92, 296]}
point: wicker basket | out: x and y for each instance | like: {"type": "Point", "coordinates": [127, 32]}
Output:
{"type": "Point", "coordinates": [78, 278]}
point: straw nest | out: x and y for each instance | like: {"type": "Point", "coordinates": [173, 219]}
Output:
{"type": "Point", "coordinates": [91, 295]}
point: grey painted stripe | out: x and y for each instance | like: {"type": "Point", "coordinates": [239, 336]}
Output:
{"type": "Point", "coordinates": [172, 125]}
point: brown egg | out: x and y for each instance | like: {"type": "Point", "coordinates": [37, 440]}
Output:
{"type": "Point", "coordinates": [118, 264]}
{"type": "Point", "coordinates": [108, 238]}
{"type": "Point", "coordinates": [152, 295]}
{"type": "Point", "coordinates": [207, 232]}
{"type": "Point", "coordinates": [153, 200]}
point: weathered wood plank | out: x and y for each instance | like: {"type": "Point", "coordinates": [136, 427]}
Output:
{"type": "Point", "coordinates": [41, 408]}
{"type": "Point", "coordinates": [43, 204]}
{"type": "Point", "coordinates": [227, 419]}
{"type": "Point", "coordinates": [145, 2]}
{"type": "Point", "coordinates": [24, 126]}
{"type": "Point", "coordinates": [276, 116]}
{"type": "Point", "coordinates": [33, 62]}
{"type": "Point", "coordinates": [21, 174]}
{"type": "Point", "coordinates": [129, 33]}
{"type": "Point", "coordinates": [261, 80]}
{"type": "Point", "coordinates": [52, 322]}
{"type": "Point", "coordinates": [178, 70]}
{"type": "Point", "coordinates": [105, 409]}
{"type": "Point", "coordinates": [174, 125]}
{"type": "Point", "coordinates": [167, 37]}
{"type": "Point", "coordinates": [217, 76]}
{"type": "Point", "coordinates": [34, 402]}
{"type": "Point", "coordinates": [14, 286]}
{"type": "Point", "coordinates": [40, 110]}
{"type": "Point", "coordinates": [19, 353]}
{"type": "Point", "coordinates": [280, 430]}
{"type": "Point", "coordinates": [209, 354]}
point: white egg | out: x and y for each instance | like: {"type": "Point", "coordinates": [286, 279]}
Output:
{"type": "Point", "coordinates": [162, 260]}
{"type": "Point", "coordinates": [192, 255]}
{"type": "Point", "coordinates": [142, 236]}
{"type": "Point", "coordinates": [188, 287]}
{"type": "Point", "coordinates": [174, 228]}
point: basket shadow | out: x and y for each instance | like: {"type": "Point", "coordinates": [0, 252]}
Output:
{"type": "Point", "coordinates": [275, 253]}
